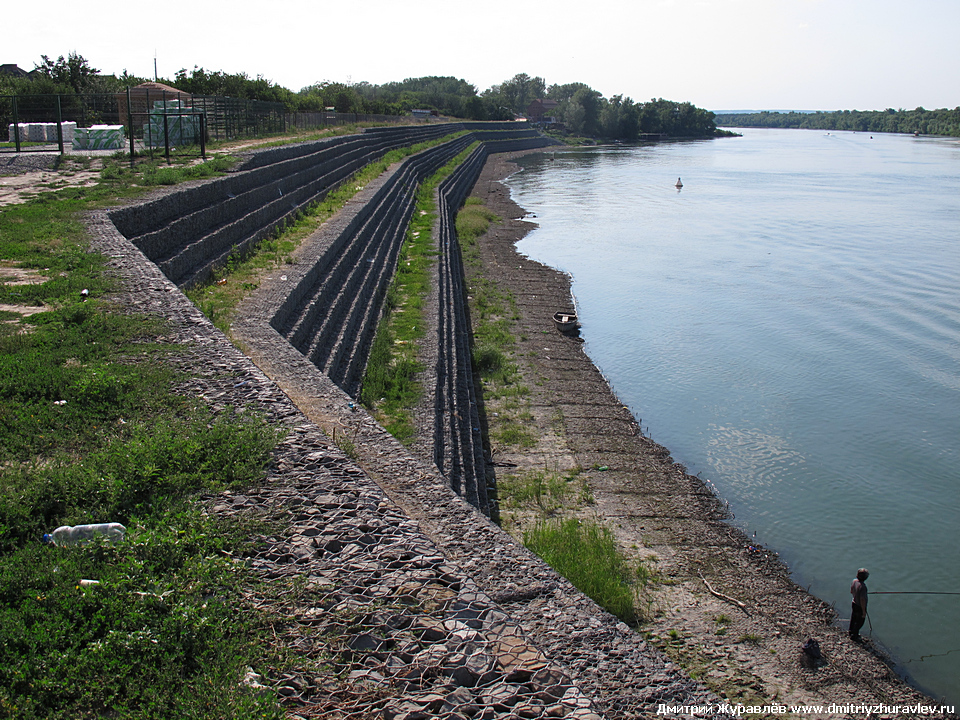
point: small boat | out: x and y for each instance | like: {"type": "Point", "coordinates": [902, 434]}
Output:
{"type": "Point", "coordinates": [566, 321]}
{"type": "Point", "coordinates": [679, 184]}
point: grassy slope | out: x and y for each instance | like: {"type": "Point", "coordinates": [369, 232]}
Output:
{"type": "Point", "coordinates": [90, 432]}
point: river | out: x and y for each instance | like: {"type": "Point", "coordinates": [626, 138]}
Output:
{"type": "Point", "coordinates": [788, 325]}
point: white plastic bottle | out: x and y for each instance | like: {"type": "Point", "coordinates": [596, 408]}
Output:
{"type": "Point", "coordinates": [81, 534]}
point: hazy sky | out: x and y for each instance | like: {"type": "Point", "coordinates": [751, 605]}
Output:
{"type": "Point", "coordinates": [717, 54]}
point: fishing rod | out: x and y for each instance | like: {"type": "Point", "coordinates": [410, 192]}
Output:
{"type": "Point", "coordinates": [912, 592]}
{"type": "Point", "coordinates": [905, 592]}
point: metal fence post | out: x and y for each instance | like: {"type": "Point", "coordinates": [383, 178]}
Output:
{"type": "Point", "coordinates": [166, 132]}
{"type": "Point", "coordinates": [130, 120]}
{"type": "Point", "coordinates": [179, 119]}
{"type": "Point", "coordinates": [148, 128]}
{"type": "Point", "coordinates": [59, 126]}
{"type": "Point", "coordinates": [16, 124]}
{"type": "Point", "coordinates": [203, 134]}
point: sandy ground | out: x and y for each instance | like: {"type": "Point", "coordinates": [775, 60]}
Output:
{"type": "Point", "coordinates": [11, 274]}
{"type": "Point", "coordinates": [724, 607]}
{"type": "Point", "coordinates": [21, 186]}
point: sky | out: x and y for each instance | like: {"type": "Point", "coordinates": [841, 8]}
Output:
{"type": "Point", "coordinates": [716, 54]}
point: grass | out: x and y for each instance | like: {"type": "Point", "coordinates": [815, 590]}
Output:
{"type": "Point", "coordinates": [390, 388]}
{"type": "Point", "coordinates": [586, 553]}
{"type": "Point", "coordinates": [494, 314]}
{"type": "Point", "coordinates": [548, 492]}
{"type": "Point", "coordinates": [295, 135]}
{"type": "Point", "coordinates": [92, 430]}
{"type": "Point", "coordinates": [346, 444]}
{"type": "Point", "coordinates": [722, 622]}
{"type": "Point", "coordinates": [153, 172]}
{"type": "Point", "coordinates": [583, 551]}
{"type": "Point", "coordinates": [159, 637]}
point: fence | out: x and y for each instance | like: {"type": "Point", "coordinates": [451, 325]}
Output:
{"type": "Point", "coordinates": [138, 120]}
{"type": "Point", "coordinates": [311, 120]}
{"type": "Point", "coordinates": [149, 121]}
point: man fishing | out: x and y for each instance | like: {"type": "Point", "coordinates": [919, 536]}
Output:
{"type": "Point", "coordinates": [858, 589]}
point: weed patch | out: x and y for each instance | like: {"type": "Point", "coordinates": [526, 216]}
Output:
{"type": "Point", "coordinates": [512, 433]}
{"type": "Point", "coordinates": [548, 492]}
{"type": "Point", "coordinates": [493, 314]}
{"type": "Point", "coordinates": [586, 554]}
{"type": "Point", "coordinates": [159, 636]}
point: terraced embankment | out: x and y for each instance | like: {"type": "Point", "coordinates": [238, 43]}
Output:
{"type": "Point", "coordinates": [329, 305]}
{"type": "Point", "coordinates": [422, 606]}
{"type": "Point", "coordinates": [191, 231]}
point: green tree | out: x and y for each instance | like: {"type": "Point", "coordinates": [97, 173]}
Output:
{"type": "Point", "coordinates": [629, 123]}
{"type": "Point", "coordinates": [518, 92]}
{"type": "Point", "coordinates": [935, 122]}
{"type": "Point", "coordinates": [238, 85]}
{"type": "Point", "coordinates": [575, 117]}
{"type": "Point", "coordinates": [74, 71]}
{"type": "Point", "coordinates": [591, 102]}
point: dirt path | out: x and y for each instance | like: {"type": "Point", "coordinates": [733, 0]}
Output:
{"type": "Point", "coordinates": [725, 609]}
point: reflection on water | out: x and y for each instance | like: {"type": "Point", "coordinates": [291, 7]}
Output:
{"type": "Point", "coordinates": [789, 326]}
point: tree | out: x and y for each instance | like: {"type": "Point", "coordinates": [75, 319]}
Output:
{"type": "Point", "coordinates": [937, 122]}
{"type": "Point", "coordinates": [75, 74]}
{"type": "Point", "coordinates": [237, 85]}
{"type": "Point", "coordinates": [629, 125]}
{"type": "Point", "coordinates": [518, 92]}
{"type": "Point", "coordinates": [75, 71]}
{"type": "Point", "coordinates": [575, 117]}
{"type": "Point", "coordinates": [591, 102]}
{"type": "Point", "coordinates": [565, 92]}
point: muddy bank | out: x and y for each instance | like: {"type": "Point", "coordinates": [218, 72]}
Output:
{"type": "Point", "coordinates": [724, 608]}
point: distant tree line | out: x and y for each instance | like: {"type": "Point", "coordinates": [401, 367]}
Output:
{"type": "Point", "coordinates": [65, 76]}
{"type": "Point", "coordinates": [926, 122]}
{"type": "Point", "coordinates": [581, 109]}
{"type": "Point", "coordinates": [447, 95]}
{"type": "Point", "coordinates": [584, 111]}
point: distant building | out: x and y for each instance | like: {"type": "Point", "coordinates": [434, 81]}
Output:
{"type": "Point", "coordinates": [143, 97]}
{"type": "Point", "coordinates": [12, 70]}
{"type": "Point", "coordinates": [423, 114]}
{"type": "Point", "coordinates": [539, 110]}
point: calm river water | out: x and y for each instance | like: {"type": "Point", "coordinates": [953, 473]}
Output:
{"type": "Point", "coordinates": [788, 325]}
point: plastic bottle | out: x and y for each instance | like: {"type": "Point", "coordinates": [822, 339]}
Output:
{"type": "Point", "coordinates": [81, 534]}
